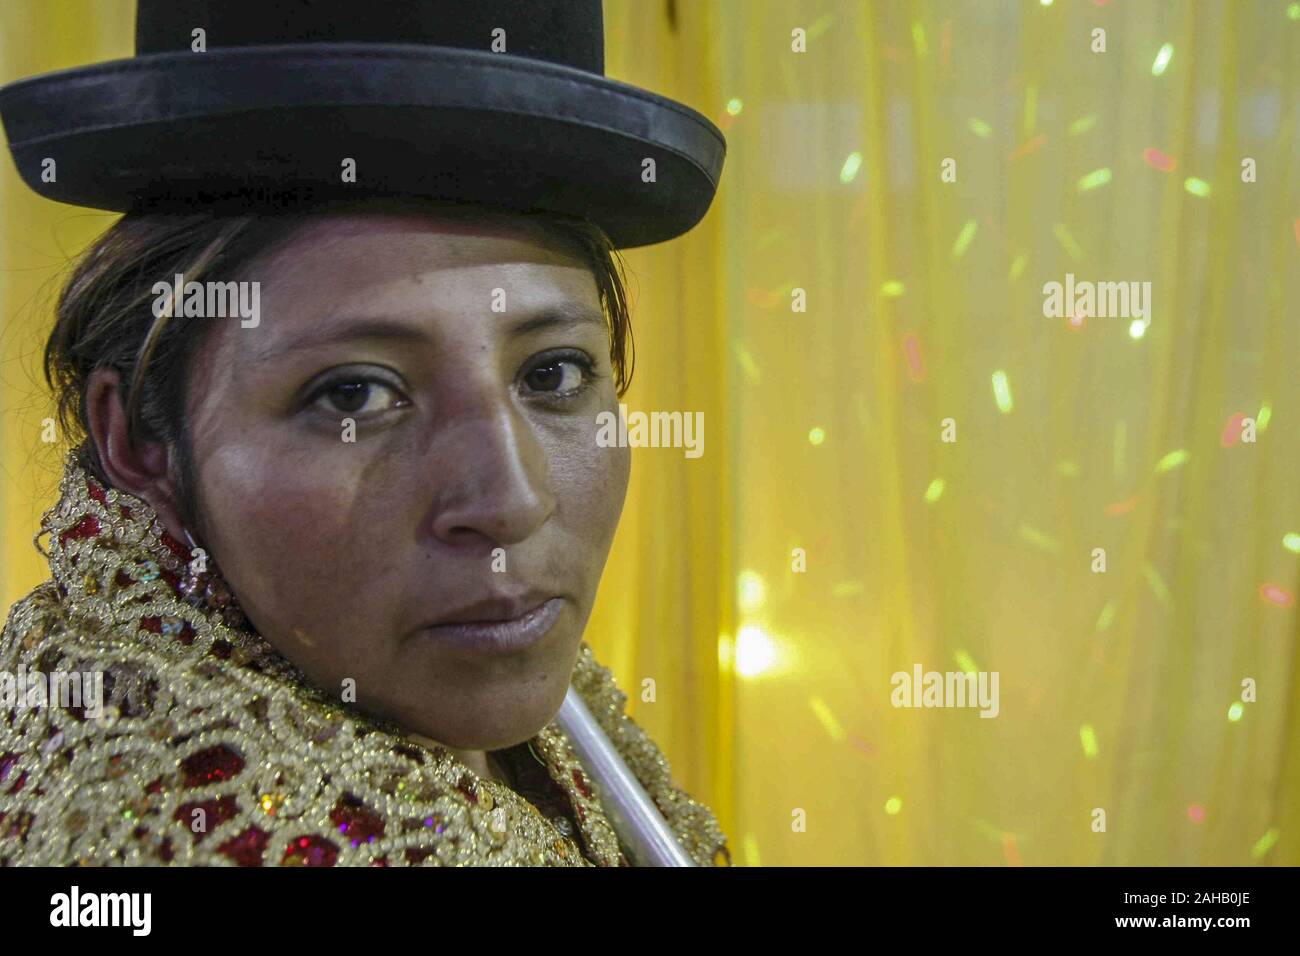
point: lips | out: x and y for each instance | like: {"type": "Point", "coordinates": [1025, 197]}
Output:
{"type": "Point", "coordinates": [494, 610]}
{"type": "Point", "coordinates": [497, 625]}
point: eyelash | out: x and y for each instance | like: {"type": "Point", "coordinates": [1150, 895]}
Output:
{"type": "Point", "coordinates": [585, 363]}
{"type": "Point", "coordinates": [355, 378]}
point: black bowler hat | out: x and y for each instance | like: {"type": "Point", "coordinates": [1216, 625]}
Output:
{"type": "Point", "coordinates": [419, 93]}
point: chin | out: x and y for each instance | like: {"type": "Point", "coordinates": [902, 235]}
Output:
{"type": "Point", "coordinates": [494, 718]}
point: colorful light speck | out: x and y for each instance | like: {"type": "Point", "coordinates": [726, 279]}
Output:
{"type": "Point", "coordinates": [1293, 11]}
{"type": "Point", "coordinates": [820, 25]}
{"type": "Point", "coordinates": [1158, 160]}
{"type": "Point", "coordinates": [1067, 241]}
{"type": "Point", "coordinates": [1276, 595]}
{"type": "Point", "coordinates": [965, 662]}
{"type": "Point", "coordinates": [892, 289]}
{"type": "Point", "coordinates": [755, 651]}
{"type": "Point", "coordinates": [915, 360]}
{"type": "Point", "coordinates": [1029, 146]}
{"type": "Point", "coordinates": [849, 171]}
{"type": "Point", "coordinates": [1106, 617]}
{"type": "Point", "coordinates": [980, 128]}
{"type": "Point", "coordinates": [816, 436]}
{"type": "Point", "coordinates": [1163, 56]}
{"type": "Point", "coordinates": [827, 718]}
{"type": "Point", "coordinates": [893, 805]}
{"type": "Point", "coordinates": [1002, 392]}
{"type": "Point", "coordinates": [1197, 187]}
{"type": "Point", "coordinates": [751, 591]}
{"type": "Point", "coordinates": [735, 105]}
{"type": "Point", "coordinates": [1235, 711]}
{"type": "Point", "coordinates": [1098, 177]}
{"type": "Point", "coordinates": [1083, 124]}
{"type": "Point", "coordinates": [1172, 460]}
{"type": "Point", "coordinates": [964, 238]}
{"type": "Point", "coordinates": [1137, 328]}
{"type": "Point", "coordinates": [1010, 851]}
{"type": "Point", "coordinates": [1261, 420]}
{"type": "Point", "coordinates": [1232, 431]}
{"type": "Point", "coordinates": [918, 39]}
{"type": "Point", "coordinates": [1017, 268]}
{"type": "Point", "coordinates": [1088, 737]}
{"type": "Point", "coordinates": [1196, 813]}
{"type": "Point", "coordinates": [934, 492]}
{"type": "Point", "coordinates": [1265, 843]}
{"type": "Point", "coordinates": [1039, 540]}
{"type": "Point", "coordinates": [1122, 507]}
{"type": "Point", "coordinates": [1291, 541]}
{"type": "Point", "coordinates": [747, 364]}
{"type": "Point", "coordinates": [1156, 583]}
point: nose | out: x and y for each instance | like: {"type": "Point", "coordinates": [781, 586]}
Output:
{"type": "Point", "coordinates": [494, 477]}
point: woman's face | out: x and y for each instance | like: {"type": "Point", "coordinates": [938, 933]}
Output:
{"type": "Point", "coordinates": [472, 362]}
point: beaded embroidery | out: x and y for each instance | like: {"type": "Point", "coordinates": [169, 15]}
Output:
{"type": "Point", "coordinates": [213, 749]}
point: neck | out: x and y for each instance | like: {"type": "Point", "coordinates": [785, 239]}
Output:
{"type": "Point", "coordinates": [480, 761]}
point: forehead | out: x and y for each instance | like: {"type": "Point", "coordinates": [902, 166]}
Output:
{"type": "Point", "coordinates": [441, 280]}
{"type": "Point", "coordinates": [344, 249]}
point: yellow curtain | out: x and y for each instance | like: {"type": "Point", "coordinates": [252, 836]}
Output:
{"type": "Point", "coordinates": [38, 240]}
{"type": "Point", "coordinates": [906, 463]}
{"type": "Point", "coordinates": [844, 299]}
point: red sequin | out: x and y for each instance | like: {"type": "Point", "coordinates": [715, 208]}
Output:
{"type": "Point", "coordinates": [310, 851]}
{"type": "Point", "coordinates": [87, 527]}
{"type": "Point", "coordinates": [247, 848]}
{"type": "Point", "coordinates": [215, 813]}
{"type": "Point", "coordinates": [211, 765]}
{"type": "Point", "coordinates": [96, 491]}
{"type": "Point", "coordinates": [172, 578]}
{"type": "Point", "coordinates": [178, 549]}
{"type": "Point", "coordinates": [580, 782]}
{"type": "Point", "coordinates": [356, 821]}
{"type": "Point", "coordinates": [466, 786]}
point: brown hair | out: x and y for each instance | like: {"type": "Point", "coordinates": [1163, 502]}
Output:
{"type": "Point", "coordinates": [105, 312]}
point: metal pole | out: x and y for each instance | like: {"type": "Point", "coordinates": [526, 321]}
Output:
{"type": "Point", "coordinates": [649, 839]}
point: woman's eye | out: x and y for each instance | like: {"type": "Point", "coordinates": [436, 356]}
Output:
{"type": "Point", "coordinates": [362, 396]}
{"type": "Point", "coordinates": [559, 375]}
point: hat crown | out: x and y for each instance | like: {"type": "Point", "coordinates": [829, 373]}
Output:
{"type": "Point", "coordinates": [569, 32]}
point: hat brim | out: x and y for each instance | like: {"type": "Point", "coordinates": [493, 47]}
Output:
{"type": "Point", "coordinates": [274, 124]}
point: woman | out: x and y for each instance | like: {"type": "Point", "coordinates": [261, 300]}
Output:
{"type": "Point", "coordinates": [337, 513]}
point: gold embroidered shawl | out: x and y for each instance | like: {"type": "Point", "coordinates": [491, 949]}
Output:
{"type": "Point", "coordinates": [212, 749]}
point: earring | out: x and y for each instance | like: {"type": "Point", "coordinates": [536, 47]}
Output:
{"type": "Point", "coordinates": [203, 587]}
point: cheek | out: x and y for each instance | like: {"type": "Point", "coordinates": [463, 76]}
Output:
{"type": "Point", "coordinates": [590, 484]}
{"type": "Point", "coordinates": [296, 539]}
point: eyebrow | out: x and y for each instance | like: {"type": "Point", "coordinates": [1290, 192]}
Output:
{"type": "Point", "coordinates": [564, 315]}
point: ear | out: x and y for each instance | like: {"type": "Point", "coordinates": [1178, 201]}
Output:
{"type": "Point", "coordinates": [144, 471]}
